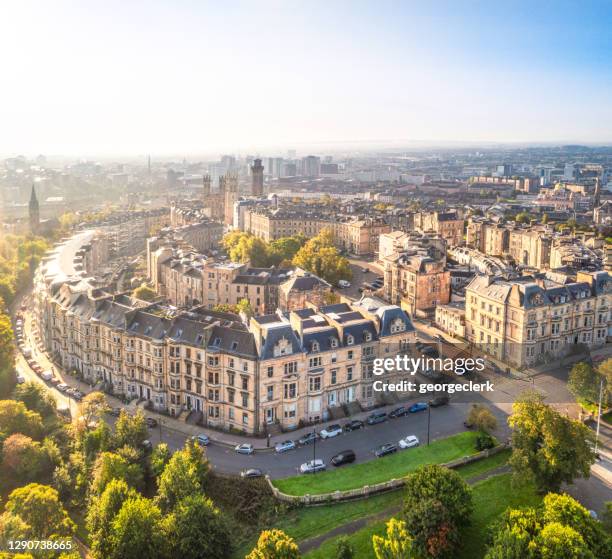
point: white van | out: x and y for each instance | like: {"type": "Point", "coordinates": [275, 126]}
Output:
{"type": "Point", "coordinates": [46, 375]}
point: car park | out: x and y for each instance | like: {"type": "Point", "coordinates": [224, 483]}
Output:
{"type": "Point", "coordinates": [419, 406]}
{"type": "Point", "coordinates": [398, 412]}
{"type": "Point", "coordinates": [312, 466]}
{"type": "Point", "coordinates": [151, 422]}
{"type": "Point", "coordinates": [386, 449]}
{"type": "Point", "coordinates": [308, 438]}
{"type": "Point", "coordinates": [331, 431]}
{"type": "Point", "coordinates": [344, 457]}
{"type": "Point", "coordinates": [251, 472]}
{"type": "Point", "coordinates": [439, 401]}
{"type": "Point", "coordinates": [244, 448]}
{"type": "Point", "coordinates": [202, 439]}
{"type": "Point", "coordinates": [376, 417]}
{"type": "Point", "coordinates": [284, 446]}
{"type": "Point", "coordinates": [409, 441]}
{"type": "Point", "coordinates": [354, 425]}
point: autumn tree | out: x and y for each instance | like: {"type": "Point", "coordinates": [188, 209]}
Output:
{"type": "Point", "coordinates": [36, 398]}
{"type": "Point", "coordinates": [110, 466]}
{"type": "Point", "coordinates": [24, 460]}
{"type": "Point", "coordinates": [320, 257]}
{"type": "Point", "coordinates": [16, 418]}
{"type": "Point", "coordinates": [395, 544]}
{"type": "Point", "coordinates": [274, 544]}
{"type": "Point", "coordinates": [92, 407]}
{"type": "Point", "coordinates": [130, 430]}
{"type": "Point", "coordinates": [437, 504]}
{"type": "Point", "coordinates": [548, 448]}
{"type": "Point", "coordinates": [482, 418]}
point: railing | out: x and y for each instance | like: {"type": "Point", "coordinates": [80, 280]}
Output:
{"type": "Point", "coordinates": [368, 490]}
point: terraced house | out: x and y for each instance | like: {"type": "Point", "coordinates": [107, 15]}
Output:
{"type": "Point", "coordinates": [279, 369]}
{"type": "Point", "coordinates": [527, 320]}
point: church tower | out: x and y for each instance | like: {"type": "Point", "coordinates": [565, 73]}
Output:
{"type": "Point", "coordinates": [34, 211]}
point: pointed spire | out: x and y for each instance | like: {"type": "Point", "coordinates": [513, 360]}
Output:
{"type": "Point", "coordinates": [33, 198]}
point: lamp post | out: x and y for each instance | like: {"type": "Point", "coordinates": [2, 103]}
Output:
{"type": "Point", "coordinates": [314, 449]}
{"type": "Point", "coordinates": [601, 385]}
{"type": "Point", "coordinates": [428, 420]}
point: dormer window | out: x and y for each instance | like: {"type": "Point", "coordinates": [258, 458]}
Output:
{"type": "Point", "coordinates": [334, 342]}
{"type": "Point", "coordinates": [315, 346]}
{"type": "Point", "coordinates": [397, 326]}
{"type": "Point", "coordinates": [350, 340]}
{"type": "Point", "coordinates": [367, 336]}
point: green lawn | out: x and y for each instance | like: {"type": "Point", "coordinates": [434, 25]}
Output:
{"type": "Point", "coordinates": [491, 498]}
{"type": "Point", "coordinates": [308, 522]}
{"type": "Point", "coordinates": [607, 417]}
{"type": "Point", "coordinates": [378, 470]}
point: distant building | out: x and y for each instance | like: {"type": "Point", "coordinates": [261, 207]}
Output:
{"type": "Point", "coordinates": [311, 166]}
{"type": "Point", "coordinates": [34, 212]}
{"type": "Point", "coordinates": [257, 171]}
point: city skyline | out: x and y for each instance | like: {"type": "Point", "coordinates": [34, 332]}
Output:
{"type": "Point", "coordinates": [193, 78]}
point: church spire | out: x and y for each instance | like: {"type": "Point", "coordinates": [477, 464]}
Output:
{"type": "Point", "coordinates": [34, 212]}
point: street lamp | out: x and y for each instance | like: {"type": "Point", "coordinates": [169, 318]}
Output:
{"type": "Point", "coordinates": [314, 449]}
{"type": "Point", "coordinates": [428, 420]}
{"type": "Point", "coordinates": [160, 430]}
{"type": "Point", "coordinates": [601, 385]}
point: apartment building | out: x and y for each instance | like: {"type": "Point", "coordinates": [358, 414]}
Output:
{"type": "Point", "coordinates": [451, 319]}
{"type": "Point", "coordinates": [283, 368]}
{"type": "Point", "coordinates": [529, 319]}
{"type": "Point", "coordinates": [448, 225]}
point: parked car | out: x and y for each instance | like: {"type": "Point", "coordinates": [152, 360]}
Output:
{"type": "Point", "coordinates": [354, 425]}
{"type": "Point", "coordinates": [77, 395]}
{"type": "Point", "coordinates": [55, 381]}
{"type": "Point", "coordinates": [308, 438]}
{"type": "Point", "coordinates": [27, 352]}
{"type": "Point", "coordinates": [20, 379]}
{"type": "Point", "coordinates": [419, 406]}
{"type": "Point", "coordinates": [344, 283]}
{"type": "Point", "coordinates": [113, 411]}
{"type": "Point", "coordinates": [409, 441]}
{"type": "Point", "coordinates": [312, 466]}
{"type": "Point", "coordinates": [365, 270]}
{"type": "Point", "coordinates": [385, 449]}
{"type": "Point", "coordinates": [202, 439]}
{"type": "Point", "coordinates": [331, 431]}
{"type": "Point", "coordinates": [344, 457]}
{"type": "Point", "coordinates": [46, 375]}
{"type": "Point", "coordinates": [62, 387]}
{"type": "Point", "coordinates": [284, 446]}
{"type": "Point", "coordinates": [147, 445]}
{"type": "Point", "coordinates": [439, 401]}
{"type": "Point", "coordinates": [251, 472]}
{"type": "Point", "coordinates": [151, 422]}
{"type": "Point", "coordinates": [468, 425]}
{"type": "Point", "coordinates": [399, 412]}
{"type": "Point", "coordinates": [376, 417]}
{"type": "Point", "coordinates": [244, 448]}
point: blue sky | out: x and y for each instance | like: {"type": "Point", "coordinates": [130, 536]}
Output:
{"type": "Point", "coordinates": [184, 77]}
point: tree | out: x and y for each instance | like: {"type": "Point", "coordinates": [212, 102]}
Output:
{"type": "Point", "coordinates": [547, 447]}
{"type": "Point", "coordinates": [584, 382]}
{"type": "Point", "coordinates": [559, 528]}
{"type": "Point", "coordinates": [396, 545]}
{"type": "Point", "coordinates": [244, 306]}
{"type": "Point", "coordinates": [437, 503]}
{"type": "Point", "coordinates": [184, 475]}
{"type": "Point", "coordinates": [284, 249]}
{"type": "Point", "coordinates": [544, 219]}
{"type": "Point", "coordinates": [344, 549]}
{"type": "Point", "coordinates": [109, 466]}
{"type": "Point", "coordinates": [482, 418]}
{"type": "Point", "coordinates": [102, 511]}
{"type": "Point", "coordinates": [321, 257]}
{"type": "Point", "coordinates": [159, 459]}
{"type": "Point", "coordinates": [144, 293]}
{"type": "Point", "coordinates": [23, 459]}
{"type": "Point", "coordinates": [606, 517]}
{"type": "Point", "coordinates": [94, 441]}
{"type": "Point", "coordinates": [92, 407]}
{"type": "Point", "coordinates": [274, 544]}
{"type": "Point", "coordinates": [198, 530]}
{"type": "Point", "coordinates": [137, 531]}
{"type": "Point", "coordinates": [522, 217]}
{"type": "Point", "coordinates": [16, 418]}
{"type": "Point", "coordinates": [36, 398]}
{"type": "Point", "coordinates": [130, 430]}
{"type": "Point", "coordinates": [7, 346]}
{"type": "Point", "coordinates": [39, 511]}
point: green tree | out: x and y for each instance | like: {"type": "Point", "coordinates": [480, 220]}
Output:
{"type": "Point", "coordinates": [101, 513]}
{"type": "Point", "coordinates": [36, 398]}
{"type": "Point", "coordinates": [322, 258]}
{"type": "Point", "coordinates": [109, 466]}
{"type": "Point", "coordinates": [184, 475]}
{"type": "Point", "coordinates": [547, 447]}
{"type": "Point", "coordinates": [344, 548]}
{"type": "Point", "coordinates": [137, 531]}
{"type": "Point", "coordinates": [144, 293]}
{"type": "Point", "coordinates": [160, 458]}
{"type": "Point", "coordinates": [198, 530]}
{"type": "Point", "coordinates": [557, 541]}
{"type": "Point", "coordinates": [244, 306]}
{"type": "Point", "coordinates": [397, 543]}
{"type": "Point", "coordinates": [437, 503]}
{"type": "Point", "coordinates": [274, 544]}
{"type": "Point", "coordinates": [7, 347]}
{"type": "Point", "coordinates": [24, 460]}
{"type": "Point", "coordinates": [94, 441]}
{"type": "Point", "coordinates": [92, 407]}
{"type": "Point", "coordinates": [482, 418]}
{"type": "Point", "coordinates": [284, 249]}
{"type": "Point", "coordinates": [16, 418]}
{"type": "Point", "coordinates": [544, 219]}
{"type": "Point", "coordinates": [130, 430]}
{"type": "Point", "coordinates": [522, 217]}
{"type": "Point", "coordinates": [39, 512]}
{"type": "Point", "coordinates": [584, 382]}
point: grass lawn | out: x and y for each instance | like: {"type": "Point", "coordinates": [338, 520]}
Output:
{"type": "Point", "coordinates": [491, 498]}
{"type": "Point", "coordinates": [382, 469]}
{"type": "Point", "coordinates": [308, 522]}
{"type": "Point", "coordinates": [607, 417]}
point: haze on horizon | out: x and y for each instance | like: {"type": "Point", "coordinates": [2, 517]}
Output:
{"type": "Point", "coordinates": [187, 77]}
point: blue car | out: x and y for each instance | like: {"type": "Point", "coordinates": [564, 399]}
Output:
{"type": "Point", "coordinates": [419, 406]}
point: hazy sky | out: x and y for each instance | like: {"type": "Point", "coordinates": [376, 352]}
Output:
{"type": "Point", "coordinates": [184, 77]}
